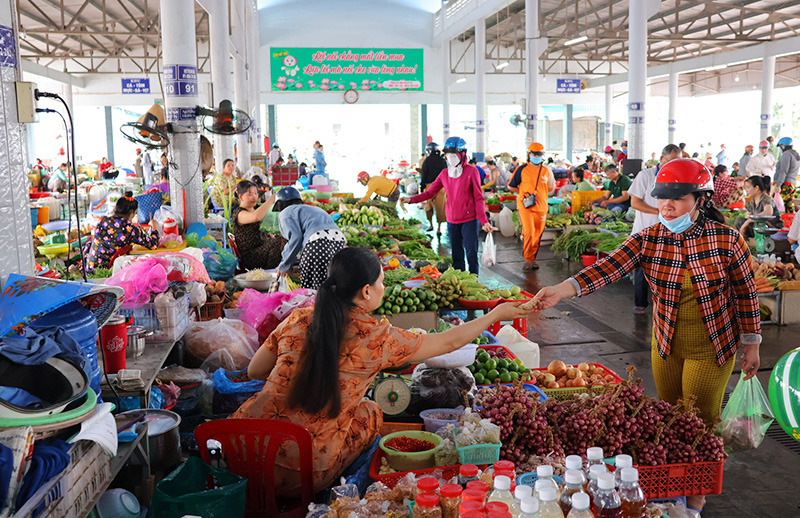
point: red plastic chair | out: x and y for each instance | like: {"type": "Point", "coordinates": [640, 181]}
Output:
{"type": "Point", "coordinates": [125, 250]}
{"type": "Point", "coordinates": [232, 241]}
{"type": "Point", "coordinates": [250, 447]}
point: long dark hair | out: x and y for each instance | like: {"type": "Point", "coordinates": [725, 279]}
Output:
{"type": "Point", "coordinates": [315, 385]}
{"type": "Point", "coordinates": [126, 206]}
{"type": "Point", "coordinates": [759, 182]}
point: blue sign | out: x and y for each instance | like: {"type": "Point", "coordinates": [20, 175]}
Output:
{"type": "Point", "coordinates": [181, 81]}
{"type": "Point", "coordinates": [636, 106]}
{"type": "Point", "coordinates": [8, 47]}
{"type": "Point", "coordinates": [765, 116]}
{"type": "Point", "coordinates": [135, 85]}
{"type": "Point", "coordinates": [568, 86]}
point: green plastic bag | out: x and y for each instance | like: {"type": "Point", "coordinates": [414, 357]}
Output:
{"type": "Point", "coordinates": [746, 417]}
{"type": "Point", "coordinates": [184, 492]}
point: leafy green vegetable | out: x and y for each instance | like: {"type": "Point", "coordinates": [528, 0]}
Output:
{"type": "Point", "coordinates": [398, 276]}
{"type": "Point", "coordinates": [609, 245]}
{"type": "Point", "coordinates": [616, 226]}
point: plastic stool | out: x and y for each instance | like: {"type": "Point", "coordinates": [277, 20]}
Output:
{"type": "Point", "coordinates": [520, 324]}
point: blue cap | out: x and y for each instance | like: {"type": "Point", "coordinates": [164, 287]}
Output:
{"type": "Point", "coordinates": [288, 193]}
{"type": "Point", "coordinates": [455, 145]}
{"type": "Point", "coordinates": [785, 141]}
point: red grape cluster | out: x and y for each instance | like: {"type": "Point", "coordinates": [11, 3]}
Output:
{"type": "Point", "coordinates": [522, 427]}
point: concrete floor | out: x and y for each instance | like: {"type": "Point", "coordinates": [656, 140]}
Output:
{"type": "Point", "coordinates": [603, 328]}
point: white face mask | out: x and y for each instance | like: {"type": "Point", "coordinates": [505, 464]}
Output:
{"type": "Point", "coordinates": [454, 168]}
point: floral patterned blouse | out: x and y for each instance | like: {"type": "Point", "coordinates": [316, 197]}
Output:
{"type": "Point", "coordinates": [219, 185]}
{"type": "Point", "coordinates": [113, 233]}
{"type": "Point", "coordinates": [369, 347]}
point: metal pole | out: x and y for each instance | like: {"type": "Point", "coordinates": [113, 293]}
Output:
{"type": "Point", "coordinates": [637, 77]}
{"type": "Point", "coordinates": [238, 29]}
{"type": "Point", "coordinates": [271, 122]}
{"type": "Point", "coordinates": [424, 121]}
{"type": "Point", "coordinates": [568, 130]}
{"type": "Point", "coordinates": [221, 72]}
{"type": "Point", "coordinates": [253, 64]}
{"type": "Point", "coordinates": [609, 126]}
{"type": "Point", "coordinates": [109, 134]}
{"type": "Point", "coordinates": [673, 109]}
{"type": "Point", "coordinates": [445, 90]}
{"type": "Point", "coordinates": [180, 85]}
{"type": "Point", "coordinates": [480, 89]}
{"type": "Point", "coordinates": [767, 84]}
{"type": "Point", "coordinates": [532, 68]}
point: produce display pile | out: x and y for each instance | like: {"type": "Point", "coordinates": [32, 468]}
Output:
{"type": "Point", "coordinates": [559, 375]}
{"type": "Point", "coordinates": [361, 216]}
{"type": "Point", "coordinates": [562, 220]}
{"type": "Point", "coordinates": [597, 216]}
{"type": "Point", "coordinates": [489, 369]}
{"type": "Point", "coordinates": [776, 274]}
{"type": "Point", "coordinates": [620, 420]}
{"type": "Point", "coordinates": [452, 285]}
{"type": "Point", "coordinates": [409, 300]}
{"type": "Point", "coordinates": [578, 242]}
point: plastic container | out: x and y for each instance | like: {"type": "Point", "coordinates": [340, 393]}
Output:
{"type": "Point", "coordinates": [595, 472]}
{"type": "Point", "coordinates": [167, 322]}
{"type": "Point", "coordinates": [529, 508]}
{"type": "Point", "coordinates": [427, 506]}
{"type": "Point", "coordinates": [497, 347]}
{"type": "Point", "coordinates": [467, 473]}
{"type": "Point", "coordinates": [433, 425]}
{"type": "Point", "coordinates": [470, 506]}
{"type": "Point", "coordinates": [479, 304]}
{"type": "Point", "coordinates": [584, 199]}
{"type": "Point", "coordinates": [580, 504]}
{"type": "Point", "coordinates": [114, 341]}
{"type": "Point", "coordinates": [501, 493]}
{"type": "Point", "coordinates": [520, 493]}
{"type": "Point", "coordinates": [449, 500]}
{"type": "Point", "coordinates": [478, 454]}
{"type": "Point", "coordinates": [573, 483]}
{"type": "Point", "coordinates": [412, 461]}
{"type": "Point", "coordinates": [575, 462]}
{"type": "Point", "coordinates": [548, 506]}
{"type": "Point", "coordinates": [474, 495]}
{"type": "Point", "coordinates": [478, 485]}
{"type": "Point", "coordinates": [569, 393]}
{"type": "Point", "coordinates": [529, 479]}
{"type": "Point", "coordinates": [621, 462]}
{"type": "Point", "coordinates": [671, 480]}
{"type": "Point", "coordinates": [427, 485]}
{"type": "Point", "coordinates": [606, 502]}
{"type": "Point", "coordinates": [544, 474]}
{"type": "Point", "coordinates": [589, 259]}
{"type": "Point", "coordinates": [452, 360]}
{"type": "Point", "coordinates": [631, 494]}
{"type": "Point", "coordinates": [391, 479]}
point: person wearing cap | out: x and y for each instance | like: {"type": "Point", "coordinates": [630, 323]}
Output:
{"type": "Point", "coordinates": [706, 305]}
{"type": "Point", "coordinates": [722, 156]}
{"type": "Point", "coordinates": [311, 233]}
{"type": "Point", "coordinates": [786, 173]}
{"type": "Point", "coordinates": [762, 163]}
{"type": "Point", "coordinates": [434, 164]}
{"type": "Point", "coordinates": [748, 153]}
{"type": "Point", "coordinates": [465, 207]}
{"type": "Point", "coordinates": [379, 185]}
{"type": "Point", "coordinates": [534, 182]}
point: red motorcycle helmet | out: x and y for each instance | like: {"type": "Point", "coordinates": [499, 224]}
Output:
{"type": "Point", "coordinates": [363, 176]}
{"type": "Point", "coordinates": [680, 177]}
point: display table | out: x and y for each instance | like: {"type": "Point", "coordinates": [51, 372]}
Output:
{"type": "Point", "coordinates": [149, 363]}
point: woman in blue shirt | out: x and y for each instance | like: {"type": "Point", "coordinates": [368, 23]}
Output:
{"type": "Point", "coordinates": [309, 230]}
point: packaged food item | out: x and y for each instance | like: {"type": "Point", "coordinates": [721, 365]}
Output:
{"type": "Point", "coordinates": [449, 500]}
{"type": "Point", "coordinates": [427, 506]}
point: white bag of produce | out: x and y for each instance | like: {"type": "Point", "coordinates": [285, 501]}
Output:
{"type": "Point", "coordinates": [239, 339]}
{"type": "Point", "coordinates": [506, 222]}
{"type": "Point", "coordinates": [458, 358]}
{"type": "Point", "coordinates": [489, 251]}
{"type": "Point", "coordinates": [523, 348]}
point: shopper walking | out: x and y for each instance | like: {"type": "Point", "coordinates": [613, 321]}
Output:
{"type": "Point", "coordinates": [748, 153]}
{"type": "Point", "coordinates": [786, 173]}
{"type": "Point", "coordinates": [722, 156]}
{"type": "Point", "coordinates": [762, 163]}
{"type": "Point", "coordinates": [434, 164]}
{"type": "Point", "coordinates": [319, 158]}
{"type": "Point", "coordinates": [274, 155]}
{"type": "Point", "coordinates": [137, 164]}
{"type": "Point", "coordinates": [465, 208]}
{"type": "Point", "coordinates": [147, 169]}
{"type": "Point", "coordinates": [534, 183]}
{"type": "Point", "coordinates": [706, 305]}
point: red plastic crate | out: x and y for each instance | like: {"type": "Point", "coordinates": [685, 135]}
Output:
{"type": "Point", "coordinates": [567, 393]}
{"type": "Point", "coordinates": [787, 220]}
{"type": "Point", "coordinates": [391, 479]}
{"type": "Point", "coordinates": [285, 175]}
{"type": "Point", "coordinates": [671, 480]}
{"type": "Point", "coordinates": [509, 354]}
{"type": "Point", "coordinates": [520, 324]}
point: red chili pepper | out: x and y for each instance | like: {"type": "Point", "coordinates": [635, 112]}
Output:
{"type": "Point", "coordinates": [409, 444]}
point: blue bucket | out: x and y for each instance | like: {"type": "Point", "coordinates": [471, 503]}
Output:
{"type": "Point", "coordinates": [34, 217]}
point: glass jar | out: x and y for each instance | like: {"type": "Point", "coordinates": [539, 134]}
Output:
{"type": "Point", "coordinates": [470, 506]}
{"type": "Point", "coordinates": [427, 506]}
{"type": "Point", "coordinates": [426, 485]}
{"type": "Point", "coordinates": [479, 485]}
{"type": "Point", "coordinates": [473, 495]}
{"type": "Point", "coordinates": [467, 473]}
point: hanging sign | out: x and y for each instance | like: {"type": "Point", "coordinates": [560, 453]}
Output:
{"type": "Point", "coordinates": [568, 86]}
{"type": "Point", "coordinates": [315, 69]}
{"type": "Point", "coordinates": [135, 85]}
{"type": "Point", "coordinates": [180, 81]}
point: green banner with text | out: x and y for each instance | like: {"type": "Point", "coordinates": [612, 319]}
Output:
{"type": "Point", "coordinates": [326, 69]}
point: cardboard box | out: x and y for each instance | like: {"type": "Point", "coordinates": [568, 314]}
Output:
{"type": "Point", "coordinates": [790, 307]}
{"type": "Point", "coordinates": [421, 319]}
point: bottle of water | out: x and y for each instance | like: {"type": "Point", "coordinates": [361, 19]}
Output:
{"type": "Point", "coordinates": [631, 494]}
{"type": "Point", "coordinates": [521, 492]}
{"type": "Point", "coordinates": [529, 508]}
{"type": "Point", "coordinates": [502, 491]}
{"type": "Point", "coordinates": [580, 506]}
{"type": "Point", "coordinates": [595, 473]}
{"type": "Point", "coordinates": [572, 485]}
{"type": "Point", "coordinates": [594, 456]}
{"type": "Point", "coordinates": [606, 502]}
{"type": "Point", "coordinates": [545, 472]}
{"type": "Point", "coordinates": [574, 462]}
{"type": "Point", "coordinates": [548, 507]}
{"type": "Point", "coordinates": [621, 462]}
{"type": "Point", "coordinates": [538, 487]}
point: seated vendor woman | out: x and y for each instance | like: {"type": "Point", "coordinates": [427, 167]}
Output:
{"type": "Point", "coordinates": [319, 363]}
{"type": "Point", "coordinates": [759, 203]}
{"type": "Point", "coordinates": [256, 249]}
{"type": "Point", "coordinates": [118, 231]}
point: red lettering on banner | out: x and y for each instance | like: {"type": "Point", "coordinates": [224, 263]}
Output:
{"type": "Point", "coordinates": [348, 70]}
{"type": "Point", "coordinates": [368, 56]}
{"type": "Point", "coordinates": [325, 69]}
{"type": "Point", "coordinates": [361, 69]}
{"type": "Point", "coordinates": [407, 70]}
{"type": "Point", "coordinates": [387, 70]}
{"type": "Point", "coordinates": [374, 69]}
{"type": "Point", "coordinates": [380, 56]}
{"type": "Point", "coordinates": [310, 70]}
{"type": "Point", "coordinates": [348, 56]}
{"type": "Point", "coordinates": [318, 56]}
{"type": "Point", "coordinates": [396, 57]}
{"type": "Point", "coordinates": [336, 70]}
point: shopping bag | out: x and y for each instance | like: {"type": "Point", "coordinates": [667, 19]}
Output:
{"type": "Point", "coordinates": [746, 417]}
{"type": "Point", "coordinates": [779, 200]}
{"type": "Point", "coordinates": [185, 492]}
{"type": "Point", "coordinates": [489, 251]}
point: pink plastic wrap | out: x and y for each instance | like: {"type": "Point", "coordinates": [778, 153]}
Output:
{"type": "Point", "coordinates": [141, 279]}
{"type": "Point", "coordinates": [190, 267]}
{"type": "Point", "coordinates": [264, 311]}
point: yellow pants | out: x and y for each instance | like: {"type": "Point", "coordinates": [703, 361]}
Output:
{"type": "Point", "coordinates": [532, 228]}
{"type": "Point", "coordinates": [691, 367]}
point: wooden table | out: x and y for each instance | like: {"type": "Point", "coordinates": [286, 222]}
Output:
{"type": "Point", "coordinates": [149, 363]}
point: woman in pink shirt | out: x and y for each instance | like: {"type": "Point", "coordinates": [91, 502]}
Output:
{"type": "Point", "coordinates": [465, 210]}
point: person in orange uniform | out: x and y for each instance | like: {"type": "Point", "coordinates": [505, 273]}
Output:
{"type": "Point", "coordinates": [534, 182]}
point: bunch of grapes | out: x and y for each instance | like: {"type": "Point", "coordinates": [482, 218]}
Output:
{"type": "Point", "coordinates": [711, 448]}
{"type": "Point", "coordinates": [579, 431]}
{"type": "Point", "coordinates": [649, 454]}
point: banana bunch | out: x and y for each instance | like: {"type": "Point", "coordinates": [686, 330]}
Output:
{"type": "Point", "coordinates": [452, 285]}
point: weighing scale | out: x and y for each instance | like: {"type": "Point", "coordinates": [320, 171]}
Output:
{"type": "Point", "coordinates": [392, 394]}
{"type": "Point", "coordinates": [763, 233]}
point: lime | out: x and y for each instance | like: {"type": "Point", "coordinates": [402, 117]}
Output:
{"type": "Point", "coordinates": [479, 378]}
{"type": "Point", "coordinates": [502, 363]}
{"type": "Point", "coordinates": [471, 368]}
{"type": "Point", "coordinates": [491, 363]}
{"type": "Point", "coordinates": [395, 309]}
{"type": "Point", "coordinates": [483, 356]}
{"type": "Point", "coordinates": [503, 370]}
{"type": "Point", "coordinates": [514, 376]}
{"type": "Point", "coordinates": [505, 377]}
{"type": "Point", "coordinates": [483, 372]}
{"type": "Point", "coordinates": [492, 375]}
{"type": "Point", "coordinates": [513, 367]}
{"type": "Point", "coordinates": [519, 362]}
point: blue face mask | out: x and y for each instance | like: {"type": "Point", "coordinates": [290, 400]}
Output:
{"type": "Point", "coordinates": [536, 160]}
{"type": "Point", "coordinates": [678, 225]}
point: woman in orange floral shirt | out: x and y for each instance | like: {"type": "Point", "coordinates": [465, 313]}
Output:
{"type": "Point", "coordinates": [319, 363]}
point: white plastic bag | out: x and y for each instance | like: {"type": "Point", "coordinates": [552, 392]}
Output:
{"type": "Point", "coordinates": [489, 251]}
{"type": "Point", "coordinates": [523, 348]}
{"type": "Point", "coordinates": [283, 285]}
{"type": "Point", "coordinates": [506, 222]}
{"type": "Point", "coordinates": [166, 212]}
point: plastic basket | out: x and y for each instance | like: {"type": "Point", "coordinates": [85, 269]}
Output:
{"type": "Point", "coordinates": [391, 479]}
{"type": "Point", "coordinates": [210, 311]}
{"type": "Point", "coordinates": [387, 428]}
{"type": "Point", "coordinates": [478, 453]}
{"type": "Point", "coordinates": [671, 480]}
{"type": "Point", "coordinates": [520, 324]}
{"type": "Point", "coordinates": [528, 296]}
{"type": "Point", "coordinates": [584, 199]}
{"type": "Point", "coordinates": [568, 393]}
{"type": "Point", "coordinates": [529, 479]}
{"type": "Point", "coordinates": [497, 347]}
{"type": "Point", "coordinates": [479, 304]}
{"type": "Point", "coordinates": [530, 387]}
{"type": "Point", "coordinates": [168, 322]}
{"type": "Point", "coordinates": [148, 204]}
{"type": "Point", "coordinates": [285, 175]}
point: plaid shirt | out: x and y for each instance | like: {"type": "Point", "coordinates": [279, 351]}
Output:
{"type": "Point", "coordinates": [721, 273]}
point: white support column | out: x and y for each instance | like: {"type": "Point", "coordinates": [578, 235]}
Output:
{"type": "Point", "coordinates": [532, 53]}
{"type": "Point", "coordinates": [609, 124]}
{"type": "Point", "coordinates": [445, 90]}
{"type": "Point", "coordinates": [253, 71]}
{"type": "Point", "coordinates": [16, 254]}
{"type": "Point", "coordinates": [767, 84]}
{"type": "Point", "coordinates": [480, 88]}
{"type": "Point", "coordinates": [221, 72]}
{"type": "Point", "coordinates": [241, 89]}
{"type": "Point", "coordinates": [637, 77]}
{"type": "Point", "coordinates": [180, 86]}
{"type": "Point", "coordinates": [672, 129]}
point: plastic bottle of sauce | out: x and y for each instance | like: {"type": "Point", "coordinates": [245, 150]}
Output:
{"type": "Point", "coordinates": [520, 493]}
{"type": "Point", "coordinates": [606, 502]}
{"type": "Point", "coordinates": [594, 474]}
{"type": "Point", "coordinates": [529, 508]}
{"type": "Point", "coordinates": [449, 499]}
{"type": "Point", "coordinates": [467, 473]}
{"type": "Point", "coordinates": [502, 491]}
{"type": "Point", "coordinates": [572, 485]}
{"type": "Point", "coordinates": [545, 472]}
{"type": "Point", "coordinates": [631, 494]}
{"type": "Point", "coordinates": [576, 463]}
{"type": "Point", "coordinates": [580, 506]}
{"type": "Point", "coordinates": [548, 506]}
{"type": "Point", "coordinates": [427, 506]}
{"type": "Point", "coordinates": [621, 462]}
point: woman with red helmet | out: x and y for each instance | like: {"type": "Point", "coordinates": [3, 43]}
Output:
{"type": "Point", "coordinates": [705, 300]}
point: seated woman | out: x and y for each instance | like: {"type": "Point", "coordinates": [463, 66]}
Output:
{"type": "Point", "coordinates": [256, 249]}
{"type": "Point", "coordinates": [319, 363]}
{"type": "Point", "coordinates": [726, 189]}
{"type": "Point", "coordinates": [118, 231]}
{"type": "Point", "coordinates": [759, 204]}
{"type": "Point", "coordinates": [164, 185]}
